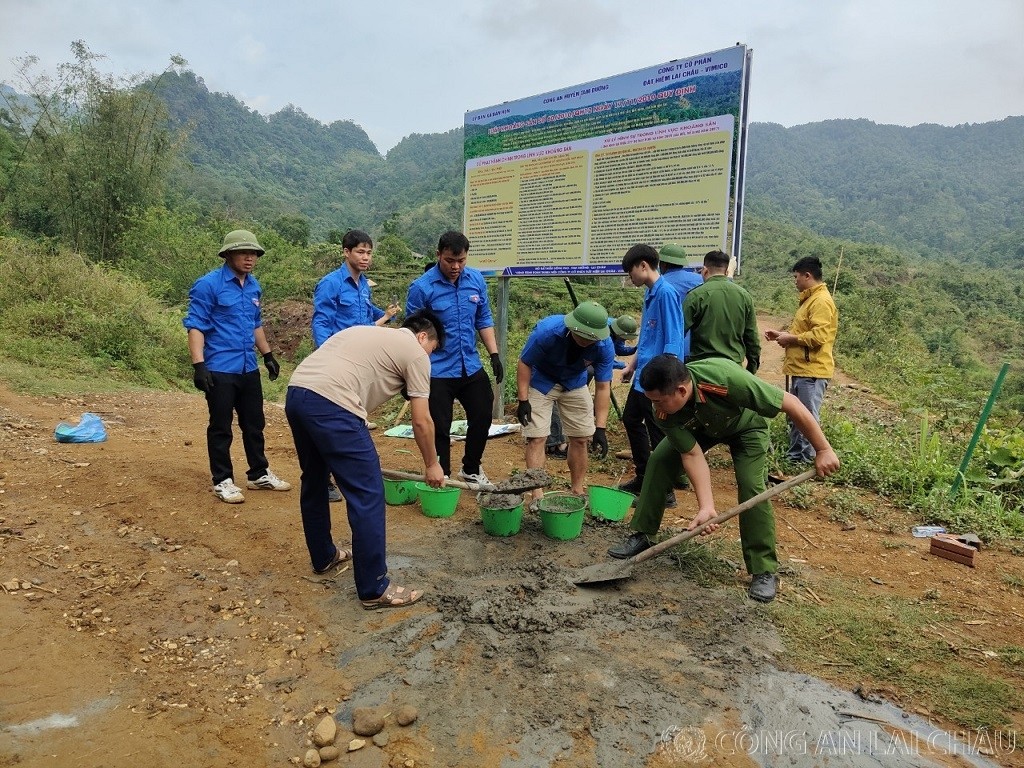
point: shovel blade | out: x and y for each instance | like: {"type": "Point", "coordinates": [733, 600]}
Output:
{"type": "Point", "coordinates": [602, 572]}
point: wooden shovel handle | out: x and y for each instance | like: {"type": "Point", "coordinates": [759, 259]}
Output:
{"type": "Point", "coordinates": [660, 547]}
{"type": "Point", "coordinates": [393, 474]}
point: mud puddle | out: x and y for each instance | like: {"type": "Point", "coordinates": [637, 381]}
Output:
{"type": "Point", "coordinates": [792, 719]}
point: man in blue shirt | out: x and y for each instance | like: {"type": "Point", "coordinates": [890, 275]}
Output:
{"type": "Point", "coordinates": [661, 332]}
{"type": "Point", "coordinates": [672, 268]}
{"type": "Point", "coordinates": [343, 298]}
{"type": "Point", "coordinates": [224, 324]}
{"type": "Point", "coordinates": [457, 294]}
{"type": "Point", "coordinates": [553, 369]}
{"type": "Point", "coordinates": [623, 330]}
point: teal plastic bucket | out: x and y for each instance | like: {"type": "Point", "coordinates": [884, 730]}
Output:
{"type": "Point", "coordinates": [561, 515]}
{"type": "Point", "coordinates": [400, 491]}
{"type": "Point", "coordinates": [609, 503]}
{"type": "Point", "coordinates": [438, 502]}
{"type": "Point", "coordinates": [502, 522]}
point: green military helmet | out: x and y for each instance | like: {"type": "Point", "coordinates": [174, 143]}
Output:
{"type": "Point", "coordinates": [240, 240]}
{"type": "Point", "coordinates": [673, 253]}
{"type": "Point", "coordinates": [589, 320]}
{"type": "Point", "coordinates": [625, 327]}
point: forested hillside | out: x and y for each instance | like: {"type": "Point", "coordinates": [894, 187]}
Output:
{"type": "Point", "coordinates": [934, 189]}
{"type": "Point", "coordinates": [289, 163]}
{"type": "Point", "coordinates": [939, 191]}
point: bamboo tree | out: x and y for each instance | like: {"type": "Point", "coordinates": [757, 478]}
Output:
{"type": "Point", "coordinates": [97, 152]}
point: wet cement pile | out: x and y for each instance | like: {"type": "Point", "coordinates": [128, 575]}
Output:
{"type": "Point", "coordinates": [518, 667]}
{"type": "Point", "coordinates": [500, 500]}
{"type": "Point", "coordinates": [531, 478]}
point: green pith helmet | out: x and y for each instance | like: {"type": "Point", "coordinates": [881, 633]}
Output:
{"type": "Point", "coordinates": [589, 320]}
{"type": "Point", "coordinates": [625, 327]}
{"type": "Point", "coordinates": [671, 253]}
{"type": "Point", "coordinates": [240, 240]}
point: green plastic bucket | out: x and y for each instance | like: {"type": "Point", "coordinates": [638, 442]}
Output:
{"type": "Point", "coordinates": [399, 491]}
{"type": "Point", "coordinates": [561, 515]}
{"type": "Point", "coordinates": [438, 502]}
{"type": "Point", "coordinates": [609, 503]}
{"type": "Point", "coordinates": [502, 522]}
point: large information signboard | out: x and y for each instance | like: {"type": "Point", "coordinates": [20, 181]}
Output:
{"type": "Point", "coordinates": [565, 182]}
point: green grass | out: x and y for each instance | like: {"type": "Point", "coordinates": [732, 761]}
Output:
{"type": "Point", "coordinates": [847, 504]}
{"type": "Point", "coordinates": [705, 562]}
{"type": "Point", "coordinates": [49, 382]}
{"type": "Point", "coordinates": [898, 643]}
{"type": "Point", "coordinates": [1012, 656]}
{"type": "Point", "coordinates": [1013, 580]}
{"type": "Point", "coordinates": [63, 317]}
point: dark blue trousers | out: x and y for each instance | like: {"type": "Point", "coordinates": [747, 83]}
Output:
{"type": "Point", "coordinates": [330, 440]}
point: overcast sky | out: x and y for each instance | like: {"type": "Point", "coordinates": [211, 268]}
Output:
{"type": "Point", "coordinates": [416, 66]}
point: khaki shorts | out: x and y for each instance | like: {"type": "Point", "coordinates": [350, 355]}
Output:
{"type": "Point", "coordinates": [575, 408]}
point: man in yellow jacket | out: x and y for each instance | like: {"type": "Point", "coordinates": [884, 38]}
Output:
{"type": "Point", "coordinates": [809, 364]}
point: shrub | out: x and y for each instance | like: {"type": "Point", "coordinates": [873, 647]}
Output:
{"type": "Point", "coordinates": [59, 311]}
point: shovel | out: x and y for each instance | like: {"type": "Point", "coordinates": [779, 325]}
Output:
{"type": "Point", "coordinates": [509, 486]}
{"type": "Point", "coordinates": [621, 569]}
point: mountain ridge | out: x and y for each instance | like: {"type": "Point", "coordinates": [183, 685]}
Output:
{"type": "Point", "coordinates": [936, 190]}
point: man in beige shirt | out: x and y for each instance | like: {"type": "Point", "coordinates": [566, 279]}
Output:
{"type": "Point", "coordinates": [329, 397]}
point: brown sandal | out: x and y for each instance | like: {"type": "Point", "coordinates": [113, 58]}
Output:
{"type": "Point", "coordinates": [340, 556]}
{"type": "Point", "coordinates": [394, 597]}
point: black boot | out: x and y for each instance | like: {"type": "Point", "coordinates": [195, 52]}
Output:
{"type": "Point", "coordinates": [633, 486]}
{"type": "Point", "coordinates": [634, 545]}
{"type": "Point", "coordinates": [763, 587]}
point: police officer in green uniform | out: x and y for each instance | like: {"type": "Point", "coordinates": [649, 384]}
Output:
{"type": "Point", "coordinates": [720, 318]}
{"type": "Point", "coordinates": [701, 404]}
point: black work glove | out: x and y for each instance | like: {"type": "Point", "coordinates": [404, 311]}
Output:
{"type": "Point", "coordinates": [273, 367]}
{"type": "Point", "coordinates": [497, 367]}
{"type": "Point", "coordinates": [524, 413]}
{"type": "Point", "coordinates": [201, 377]}
{"type": "Point", "coordinates": [599, 442]}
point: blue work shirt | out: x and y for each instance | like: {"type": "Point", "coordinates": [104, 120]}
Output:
{"type": "Point", "coordinates": [463, 309]}
{"type": "Point", "coordinates": [339, 302]}
{"type": "Point", "coordinates": [661, 327]}
{"type": "Point", "coordinates": [554, 358]}
{"type": "Point", "coordinates": [684, 281]}
{"type": "Point", "coordinates": [227, 313]}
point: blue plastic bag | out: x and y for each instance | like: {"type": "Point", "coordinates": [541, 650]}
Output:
{"type": "Point", "coordinates": [89, 430]}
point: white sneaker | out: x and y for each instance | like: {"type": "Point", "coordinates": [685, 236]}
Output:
{"type": "Point", "coordinates": [478, 479]}
{"type": "Point", "coordinates": [227, 491]}
{"type": "Point", "coordinates": [269, 482]}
